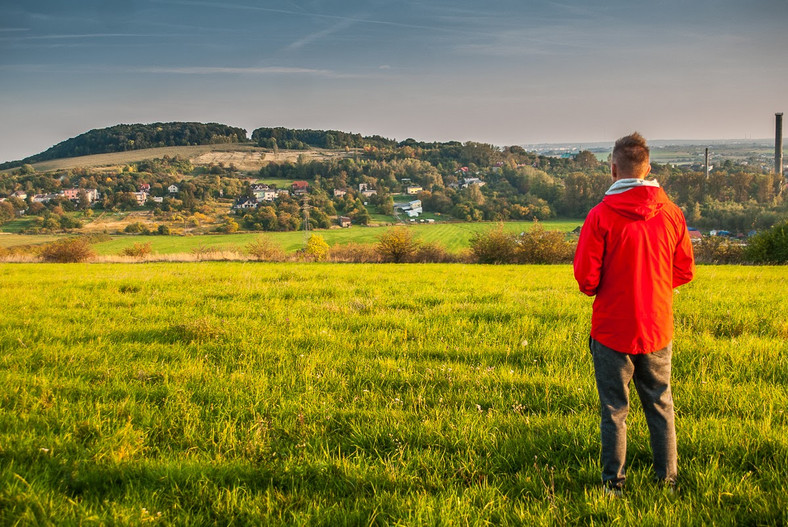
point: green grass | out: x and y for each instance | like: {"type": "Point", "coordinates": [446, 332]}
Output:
{"type": "Point", "coordinates": [454, 236]}
{"type": "Point", "coordinates": [311, 394]}
{"type": "Point", "coordinates": [17, 225]}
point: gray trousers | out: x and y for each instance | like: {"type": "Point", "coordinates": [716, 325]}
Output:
{"type": "Point", "coordinates": [651, 373]}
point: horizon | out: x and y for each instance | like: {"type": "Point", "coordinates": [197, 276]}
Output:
{"type": "Point", "coordinates": [504, 74]}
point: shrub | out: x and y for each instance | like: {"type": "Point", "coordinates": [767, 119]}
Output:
{"type": "Point", "coordinates": [432, 252]}
{"type": "Point", "coordinates": [396, 245]}
{"type": "Point", "coordinates": [70, 250]}
{"type": "Point", "coordinates": [539, 246]}
{"type": "Point", "coordinates": [770, 246]}
{"type": "Point", "coordinates": [316, 248]}
{"type": "Point", "coordinates": [354, 253]}
{"type": "Point", "coordinates": [164, 230]}
{"type": "Point", "coordinates": [133, 228]}
{"type": "Point", "coordinates": [265, 249]}
{"type": "Point", "coordinates": [138, 250]}
{"type": "Point", "coordinates": [494, 246]}
{"type": "Point", "coordinates": [718, 250]}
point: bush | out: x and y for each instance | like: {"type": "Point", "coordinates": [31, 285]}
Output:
{"type": "Point", "coordinates": [494, 246]}
{"type": "Point", "coordinates": [354, 253]}
{"type": "Point", "coordinates": [138, 250]}
{"type": "Point", "coordinates": [265, 249]}
{"type": "Point", "coordinates": [432, 252]}
{"type": "Point", "coordinates": [164, 230]}
{"type": "Point", "coordinates": [396, 245]}
{"type": "Point", "coordinates": [539, 246]}
{"type": "Point", "coordinates": [70, 250]}
{"type": "Point", "coordinates": [718, 250]}
{"type": "Point", "coordinates": [316, 248]}
{"type": "Point", "coordinates": [769, 247]}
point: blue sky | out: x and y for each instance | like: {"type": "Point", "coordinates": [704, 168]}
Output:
{"type": "Point", "coordinates": [505, 72]}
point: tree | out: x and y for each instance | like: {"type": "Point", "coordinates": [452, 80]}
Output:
{"type": "Point", "coordinates": [316, 247]}
{"type": "Point", "coordinates": [396, 245]}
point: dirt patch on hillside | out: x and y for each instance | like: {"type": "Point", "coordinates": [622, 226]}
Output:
{"type": "Point", "coordinates": [251, 161]}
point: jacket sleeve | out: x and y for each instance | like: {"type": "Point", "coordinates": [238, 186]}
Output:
{"type": "Point", "coordinates": [683, 259]}
{"type": "Point", "coordinates": [588, 256]}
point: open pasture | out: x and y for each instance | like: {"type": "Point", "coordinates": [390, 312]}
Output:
{"type": "Point", "coordinates": [267, 394]}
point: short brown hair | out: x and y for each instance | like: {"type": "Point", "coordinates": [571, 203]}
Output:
{"type": "Point", "coordinates": [631, 155]}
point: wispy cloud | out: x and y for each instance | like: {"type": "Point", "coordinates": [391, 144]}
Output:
{"type": "Point", "coordinates": [319, 35]}
{"type": "Point", "coordinates": [89, 36]}
{"type": "Point", "coordinates": [362, 20]}
{"type": "Point", "coordinates": [253, 70]}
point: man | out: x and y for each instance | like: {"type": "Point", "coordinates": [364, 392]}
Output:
{"type": "Point", "coordinates": [634, 249]}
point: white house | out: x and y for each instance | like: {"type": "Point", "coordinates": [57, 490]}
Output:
{"type": "Point", "coordinates": [246, 203]}
{"type": "Point", "coordinates": [141, 197]}
{"type": "Point", "coordinates": [172, 189]}
{"type": "Point", "coordinates": [412, 190]}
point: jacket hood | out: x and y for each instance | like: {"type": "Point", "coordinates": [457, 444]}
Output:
{"type": "Point", "coordinates": [636, 199]}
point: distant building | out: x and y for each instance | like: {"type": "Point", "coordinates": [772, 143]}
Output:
{"type": "Point", "coordinates": [412, 190]}
{"type": "Point", "coordinates": [145, 187]}
{"type": "Point", "coordinates": [300, 187]}
{"type": "Point", "coordinates": [344, 222]}
{"type": "Point", "coordinates": [339, 192]}
{"type": "Point", "coordinates": [141, 197]}
{"type": "Point", "coordinates": [172, 189]}
{"type": "Point", "coordinates": [246, 203]}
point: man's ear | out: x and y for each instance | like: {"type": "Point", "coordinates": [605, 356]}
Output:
{"type": "Point", "coordinates": [648, 171]}
{"type": "Point", "coordinates": [614, 171]}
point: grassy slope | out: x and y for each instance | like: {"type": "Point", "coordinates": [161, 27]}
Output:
{"type": "Point", "coordinates": [357, 394]}
{"type": "Point", "coordinates": [454, 236]}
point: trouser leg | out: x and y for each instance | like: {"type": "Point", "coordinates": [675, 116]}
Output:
{"type": "Point", "coordinates": [652, 381]}
{"type": "Point", "coordinates": [613, 371]}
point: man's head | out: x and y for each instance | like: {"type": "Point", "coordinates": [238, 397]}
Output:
{"type": "Point", "coordinates": [630, 158]}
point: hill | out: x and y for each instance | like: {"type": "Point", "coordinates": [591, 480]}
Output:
{"type": "Point", "coordinates": [125, 137]}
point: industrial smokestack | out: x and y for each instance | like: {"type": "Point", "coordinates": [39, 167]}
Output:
{"type": "Point", "coordinates": [778, 144]}
{"type": "Point", "coordinates": [707, 162]}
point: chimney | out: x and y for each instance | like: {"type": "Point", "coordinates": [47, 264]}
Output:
{"type": "Point", "coordinates": [778, 144]}
{"type": "Point", "coordinates": [707, 162]}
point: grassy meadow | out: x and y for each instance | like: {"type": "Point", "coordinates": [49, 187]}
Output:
{"type": "Point", "coordinates": [454, 236]}
{"type": "Point", "coordinates": [341, 394]}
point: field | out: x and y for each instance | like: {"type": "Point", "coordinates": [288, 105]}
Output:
{"type": "Point", "coordinates": [312, 394]}
{"type": "Point", "coordinates": [454, 236]}
{"type": "Point", "coordinates": [246, 157]}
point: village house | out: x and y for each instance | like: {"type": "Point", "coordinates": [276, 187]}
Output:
{"type": "Point", "coordinates": [338, 192]}
{"type": "Point", "coordinates": [282, 192]}
{"type": "Point", "coordinates": [145, 187]}
{"type": "Point", "coordinates": [412, 190]}
{"type": "Point", "coordinates": [172, 189]}
{"type": "Point", "coordinates": [19, 194]}
{"type": "Point", "coordinates": [467, 182]}
{"type": "Point", "coordinates": [369, 192]}
{"type": "Point", "coordinates": [70, 193]}
{"type": "Point", "coordinates": [43, 198]}
{"type": "Point", "coordinates": [299, 187]}
{"type": "Point", "coordinates": [412, 208]}
{"type": "Point", "coordinates": [264, 192]}
{"type": "Point", "coordinates": [158, 199]}
{"type": "Point", "coordinates": [344, 222]}
{"type": "Point", "coordinates": [141, 197]}
{"type": "Point", "coordinates": [246, 203]}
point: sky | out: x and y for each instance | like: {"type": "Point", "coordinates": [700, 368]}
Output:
{"type": "Point", "coordinates": [500, 71]}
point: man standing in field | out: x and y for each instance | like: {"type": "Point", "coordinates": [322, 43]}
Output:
{"type": "Point", "coordinates": [634, 249]}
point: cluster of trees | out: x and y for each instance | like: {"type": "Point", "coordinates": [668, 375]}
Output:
{"type": "Point", "coordinates": [124, 137]}
{"type": "Point", "coordinates": [290, 139]}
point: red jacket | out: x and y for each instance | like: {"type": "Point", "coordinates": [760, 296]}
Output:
{"type": "Point", "coordinates": [634, 248]}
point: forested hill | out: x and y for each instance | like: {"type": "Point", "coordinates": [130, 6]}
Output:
{"type": "Point", "coordinates": [290, 139]}
{"type": "Point", "coordinates": [124, 137]}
